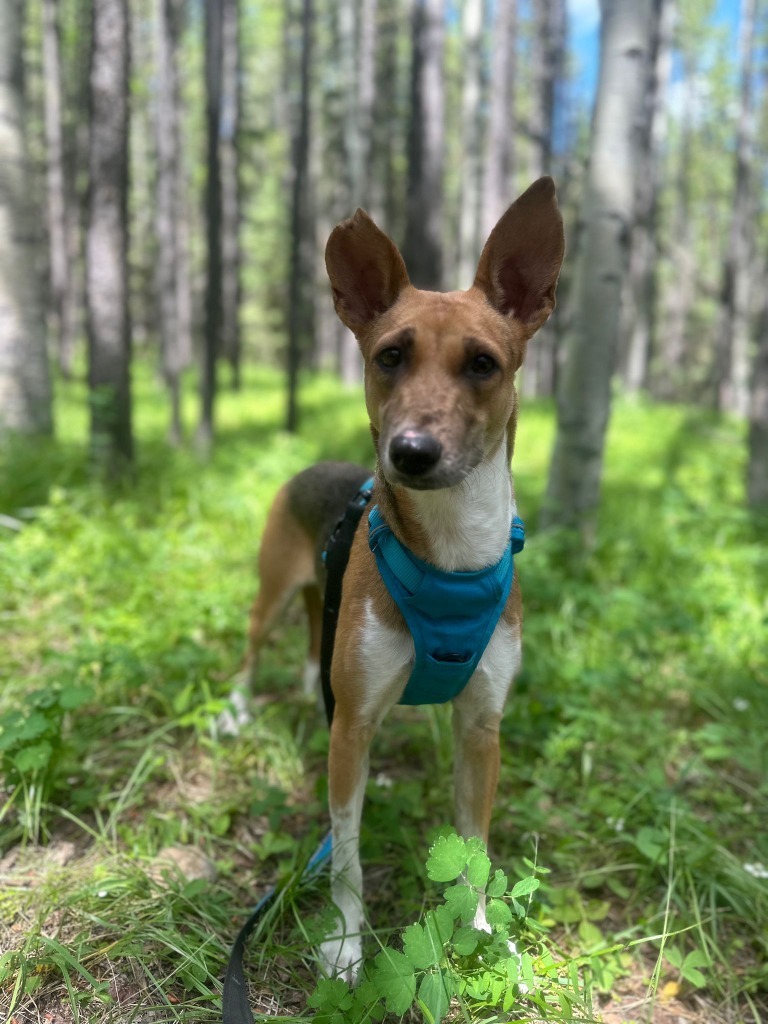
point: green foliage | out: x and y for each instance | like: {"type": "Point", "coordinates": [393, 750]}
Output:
{"type": "Point", "coordinates": [507, 969]}
{"type": "Point", "coordinates": [632, 745]}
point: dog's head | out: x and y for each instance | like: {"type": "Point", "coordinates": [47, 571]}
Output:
{"type": "Point", "coordinates": [440, 367]}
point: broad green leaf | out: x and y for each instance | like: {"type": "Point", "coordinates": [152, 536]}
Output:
{"type": "Point", "coordinates": [478, 869]}
{"type": "Point", "coordinates": [34, 758]}
{"type": "Point", "coordinates": [497, 912]}
{"type": "Point", "coordinates": [695, 976]}
{"type": "Point", "coordinates": [447, 858]}
{"type": "Point", "coordinates": [394, 980]}
{"type": "Point", "coordinates": [441, 919]}
{"type": "Point", "coordinates": [421, 946]}
{"type": "Point", "coordinates": [697, 958]}
{"type": "Point", "coordinates": [591, 936]}
{"type": "Point", "coordinates": [435, 994]}
{"type": "Point", "coordinates": [75, 696]}
{"type": "Point", "coordinates": [674, 956]}
{"type": "Point", "coordinates": [462, 902]}
{"type": "Point", "coordinates": [498, 884]}
{"type": "Point", "coordinates": [32, 726]}
{"type": "Point", "coordinates": [465, 941]}
{"type": "Point", "coordinates": [525, 887]}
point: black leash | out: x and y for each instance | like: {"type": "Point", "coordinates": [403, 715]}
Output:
{"type": "Point", "coordinates": [234, 1005]}
{"type": "Point", "coordinates": [336, 556]}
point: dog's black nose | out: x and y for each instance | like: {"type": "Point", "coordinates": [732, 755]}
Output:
{"type": "Point", "coordinates": [413, 453]}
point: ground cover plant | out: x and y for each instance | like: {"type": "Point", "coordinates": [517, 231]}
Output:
{"type": "Point", "coordinates": [134, 838]}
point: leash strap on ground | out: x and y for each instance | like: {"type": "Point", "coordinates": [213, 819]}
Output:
{"type": "Point", "coordinates": [235, 1006]}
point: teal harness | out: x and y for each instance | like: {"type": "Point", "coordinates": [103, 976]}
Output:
{"type": "Point", "coordinates": [451, 615]}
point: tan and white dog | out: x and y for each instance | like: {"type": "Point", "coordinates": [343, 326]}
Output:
{"type": "Point", "coordinates": [440, 393]}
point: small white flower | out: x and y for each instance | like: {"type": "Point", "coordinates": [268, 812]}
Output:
{"type": "Point", "coordinates": [740, 703]}
{"type": "Point", "coordinates": [617, 824]}
{"type": "Point", "coordinates": [757, 870]}
{"type": "Point", "coordinates": [384, 781]}
{"type": "Point", "coordinates": [102, 894]}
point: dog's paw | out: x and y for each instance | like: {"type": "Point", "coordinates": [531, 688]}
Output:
{"type": "Point", "coordinates": [342, 958]}
{"type": "Point", "coordinates": [233, 719]}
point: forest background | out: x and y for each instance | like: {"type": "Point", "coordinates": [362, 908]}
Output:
{"type": "Point", "coordinates": [169, 173]}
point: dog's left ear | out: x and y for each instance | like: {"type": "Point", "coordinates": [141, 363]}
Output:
{"type": "Point", "coordinates": [520, 263]}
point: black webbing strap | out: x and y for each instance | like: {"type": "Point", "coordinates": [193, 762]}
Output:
{"type": "Point", "coordinates": [336, 557]}
{"type": "Point", "coordinates": [234, 1003]}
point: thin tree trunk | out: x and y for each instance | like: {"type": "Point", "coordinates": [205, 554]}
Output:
{"type": "Point", "coordinates": [358, 63]}
{"type": "Point", "coordinates": [502, 122]}
{"type": "Point", "coordinates": [299, 303]}
{"type": "Point", "coordinates": [25, 387]}
{"type": "Point", "coordinates": [61, 295]}
{"type": "Point", "coordinates": [422, 247]}
{"type": "Point", "coordinates": [472, 139]}
{"type": "Point", "coordinates": [230, 184]}
{"type": "Point", "coordinates": [214, 17]}
{"type": "Point", "coordinates": [732, 353]}
{"type": "Point", "coordinates": [387, 204]}
{"type": "Point", "coordinates": [666, 361]}
{"type": "Point", "coordinates": [167, 141]}
{"type": "Point", "coordinates": [584, 394]}
{"type": "Point", "coordinates": [549, 43]}
{"type": "Point", "coordinates": [757, 444]}
{"type": "Point", "coordinates": [642, 291]}
{"type": "Point", "coordinates": [109, 348]}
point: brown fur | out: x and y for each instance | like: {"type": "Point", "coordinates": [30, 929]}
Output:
{"type": "Point", "coordinates": [434, 386]}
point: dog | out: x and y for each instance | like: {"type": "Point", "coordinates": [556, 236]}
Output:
{"type": "Point", "coordinates": [440, 394]}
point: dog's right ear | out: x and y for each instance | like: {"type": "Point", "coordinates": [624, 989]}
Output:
{"type": "Point", "coordinates": [366, 270]}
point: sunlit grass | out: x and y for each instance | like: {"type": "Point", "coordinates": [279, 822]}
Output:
{"type": "Point", "coordinates": [124, 615]}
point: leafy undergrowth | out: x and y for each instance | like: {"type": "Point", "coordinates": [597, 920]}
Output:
{"type": "Point", "coordinates": [133, 838]}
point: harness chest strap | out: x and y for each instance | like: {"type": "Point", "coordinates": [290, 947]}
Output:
{"type": "Point", "coordinates": [451, 615]}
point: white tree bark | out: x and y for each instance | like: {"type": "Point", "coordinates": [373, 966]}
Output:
{"type": "Point", "coordinates": [25, 388]}
{"type": "Point", "coordinates": [472, 136]}
{"type": "Point", "coordinates": [584, 393]}
{"type": "Point", "coordinates": [498, 189]}
{"type": "Point", "coordinates": [732, 362]}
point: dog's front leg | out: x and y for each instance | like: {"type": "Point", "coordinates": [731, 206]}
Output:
{"type": "Point", "coordinates": [476, 718]}
{"type": "Point", "coordinates": [347, 776]}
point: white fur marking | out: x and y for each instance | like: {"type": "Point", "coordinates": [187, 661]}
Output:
{"type": "Point", "coordinates": [467, 526]}
{"type": "Point", "coordinates": [387, 656]}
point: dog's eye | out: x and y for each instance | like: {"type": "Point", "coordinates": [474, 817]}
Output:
{"type": "Point", "coordinates": [389, 358]}
{"type": "Point", "coordinates": [482, 365]}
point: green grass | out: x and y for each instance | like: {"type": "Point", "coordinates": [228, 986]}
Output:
{"type": "Point", "coordinates": [634, 762]}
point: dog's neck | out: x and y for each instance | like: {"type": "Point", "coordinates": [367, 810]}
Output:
{"type": "Point", "coordinates": [458, 529]}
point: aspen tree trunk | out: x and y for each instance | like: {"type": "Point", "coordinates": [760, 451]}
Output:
{"type": "Point", "coordinates": [106, 269]}
{"type": "Point", "coordinates": [472, 138]}
{"type": "Point", "coordinates": [640, 318]}
{"type": "Point", "coordinates": [549, 64]}
{"type": "Point", "coordinates": [732, 346]}
{"type": "Point", "coordinates": [498, 188]}
{"type": "Point", "coordinates": [359, 66]}
{"type": "Point", "coordinates": [330, 170]}
{"type": "Point", "coordinates": [584, 392]}
{"type": "Point", "coordinates": [299, 302]}
{"type": "Point", "coordinates": [757, 459]}
{"type": "Point", "coordinates": [549, 43]}
{"type": "Point", "coordinates": [214, 17]}
{"type": "Point", "coordinates": [230, 188]}
{"type": "Point", "coordinates": [169, 278]}
{"type": "Point", "coordinates": [61, 296]}
{"type": "Point", "coordinates": [25, 387]}
{"type": "Point", "coordinates": [666, 364]}
{"type": "Point", "coordinates": [422, 246]}
{"type": "Point", "coordinates": [387, 206]}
